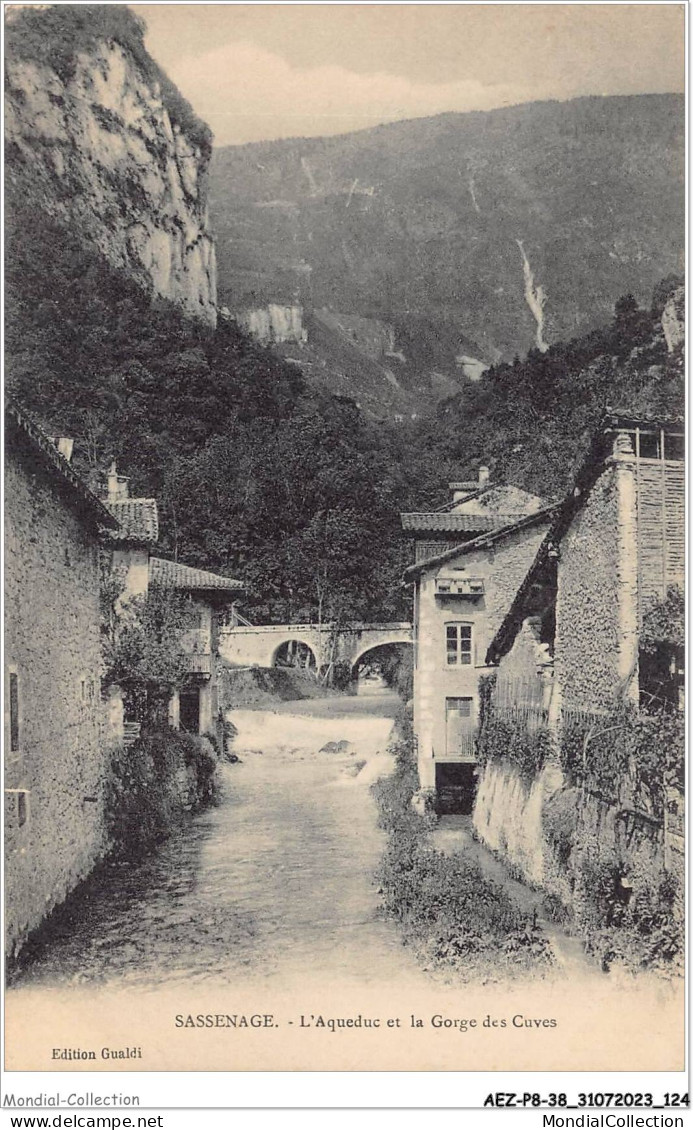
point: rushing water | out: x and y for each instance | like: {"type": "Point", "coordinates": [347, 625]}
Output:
{"type": "Point", "coordinates": [265, 904]}
{"type": "Point", "coordinates": [275, 878]}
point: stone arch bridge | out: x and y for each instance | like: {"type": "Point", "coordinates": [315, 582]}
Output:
{"type": "Point", "coordinates": [258, 645]}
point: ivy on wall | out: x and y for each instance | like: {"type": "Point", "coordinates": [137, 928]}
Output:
{"type": "Point", "coordinates": [602, 832]}
{"type": "Point", "coordinates": [507, 739]}
{"type": "Point", "coordinates": [664, 622]}
{"type": "Point", "coordinates": [643, 752]}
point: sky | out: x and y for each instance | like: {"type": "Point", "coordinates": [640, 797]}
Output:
{"type": "Point", "coordinates": [264, 71]}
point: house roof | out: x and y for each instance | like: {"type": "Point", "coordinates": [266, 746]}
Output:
{"type": "Point", "coordinates": [499, 534]}
{"type": "Point", "coordinates": [171, 574]}
{"type": "Point", "coordinates": [24, 433]}
{"type": "Point", "coordinates": [589, 471]}
{"type": "Point", "coordinates": [619, 417]}
{"type": "Point", "coordinates": [452, 522]}
{"type": "Point", "coordinates": [138, 520]}
{"type": "Point", "coordinates": [484, 507]}
{"type": "Point", "coordinates": [512, 621]}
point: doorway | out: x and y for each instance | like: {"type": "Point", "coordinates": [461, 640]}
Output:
{"type": "Point", "coordinates": [460, 729]}
{"type": "Point", "coordinates": [455, 788]}
{"type": "Point", "coordinates": [190, 710]}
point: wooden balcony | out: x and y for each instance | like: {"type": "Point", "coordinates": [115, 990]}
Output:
{"type": "Point", "coordinates": [197, 646]}
{"type": "Point", "coordinates": [200, 663]}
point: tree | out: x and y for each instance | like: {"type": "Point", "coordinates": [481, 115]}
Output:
{"type": "Point", "coordinates": [142, 643]}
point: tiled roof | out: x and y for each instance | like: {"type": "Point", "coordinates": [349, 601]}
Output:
{"type": "Point", "coordinates": [171, 574]}
{"type": "Point", "coordinates": [458, 523]}
{"type": "Point", "coordinates": [618, 417]}
{"type": "Point", "coordinates": [138, 519]}
{"type": "Point", "coordinates": [498, 534]}
{"type": "Point", "coordinates": [23, 432]}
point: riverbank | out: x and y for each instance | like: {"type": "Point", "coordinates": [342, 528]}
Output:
{"type": "Point", "coordinates": [265, 904]}
{"type": "Point", "coordinates": [260, 687]}
{"type": "Point", "coordinates": [460, 923]}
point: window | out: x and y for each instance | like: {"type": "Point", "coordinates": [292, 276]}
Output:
{"type": "Point", "coordinates": [461, 707]}
{"type": "Point", "coordinates": [458, 641]}
{"type": "Point", "coordinates": [460, 727]}
{"type": "Point", "coordinates": [649, 446]}
{"type": "Point", "coordinates": [194, 613]}
{"type": "Point", "coordinates": [14, 712]}
{"type": "Point", "coordinates": [675, 447]}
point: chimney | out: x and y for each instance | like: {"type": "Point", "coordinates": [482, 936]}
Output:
{"type": "Point", "coordinates": [117, 485]}
{"type": "Point", "coordinates": [65, 446]}
{"type": "Point", "coordinates": [462, 490]}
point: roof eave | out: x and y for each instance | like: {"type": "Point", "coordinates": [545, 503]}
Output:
{"type": "Point", "coordinates": [415, 571]}
{"type": "Point", "coordinates": [41, 446]}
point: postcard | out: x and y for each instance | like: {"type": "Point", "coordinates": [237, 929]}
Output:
{"type": "Point", "coordinates": [344, 540]}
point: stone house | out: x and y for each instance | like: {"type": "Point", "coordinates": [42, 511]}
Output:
{"type": "Point", "coordinates": [54, 769]}
{"type": "Point", "coordinates": [131, 543]}
{"type": "Point", "coordinates": [471, 556]}
{"type": "Point", "coordinates": [614, 549]}
{"type": "Point", "coordinates": [475, 508]}
{"type": "Point", "coordinates": [568, 652]}
{"type": "Point", "coordinates": [195, 706]}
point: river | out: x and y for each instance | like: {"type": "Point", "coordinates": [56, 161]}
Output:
{"type": "Point", "coordinates": [277, 877]}
{"type": "Point", "coordinates": [265, 904]}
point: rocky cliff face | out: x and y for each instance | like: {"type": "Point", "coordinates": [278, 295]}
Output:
{"type": "Point", "coordinates": [94, 144]}
{"type": "Point", "coordinates": [274, 324]}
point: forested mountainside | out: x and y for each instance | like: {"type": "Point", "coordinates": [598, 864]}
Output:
{"type": "Point", "coordinates": [261, 476]}
{"type": "Point", "coordinates": [467, 236]}
{"type": "Point", "coordinates": [260, 472]}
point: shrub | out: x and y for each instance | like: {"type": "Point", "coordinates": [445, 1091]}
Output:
{"type": "Point", "coordinates": [342, 675]}
{"type": "Point", "coordinates": [145, 798]}
{"type": "Point", "coordinates": [559, 821]}
{"type": "Point", "coordinates": [643, 931]}
{"type": "Point", "coordinates": [449, 911]}
{"type": "Point", "coordinates": [634, 750]}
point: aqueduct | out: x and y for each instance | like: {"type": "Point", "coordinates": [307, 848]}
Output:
{"type": "Point", "coordinates": [244, 645]}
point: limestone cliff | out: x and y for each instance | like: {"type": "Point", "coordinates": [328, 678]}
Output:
{"type": "Point", "coordinates": [98, 137]}
{"type": "Point", "coordinates": [274, 324]}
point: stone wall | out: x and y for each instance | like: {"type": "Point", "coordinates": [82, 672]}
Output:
{"type": "Point", "coordinates": [131, 566]}
{"type": "Point", "coordinates": [588, 643]}
{"type": "Point", "coordinates": [54, 779]}
{"type": "Point", "coordinates": [508, 816]}
{"type": "Point", "coordinates": [557, 837]}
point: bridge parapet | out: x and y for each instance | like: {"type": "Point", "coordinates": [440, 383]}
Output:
{"type": "Point", "coordinates": [258, 645]}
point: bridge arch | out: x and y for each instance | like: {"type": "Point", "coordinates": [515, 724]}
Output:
{"type": "Point", "coordinates": [260, 645]}
{"type": "Point", "coordinates": [377, 646]}
{"type": "Point", "coordinates": [405, 639]}
{"type": "Point", "coordinates": [282, 648]}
